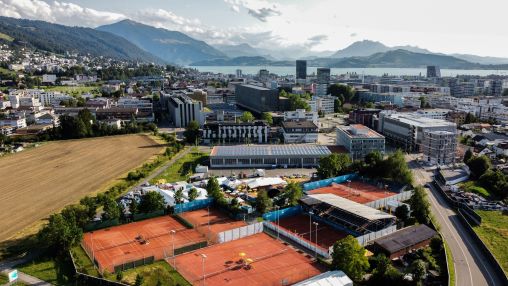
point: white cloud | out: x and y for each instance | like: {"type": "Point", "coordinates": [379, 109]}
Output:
{"type": "Point", "coordinates": [57, 12]}
{"type": "Point", "coordinates": [258, 9]}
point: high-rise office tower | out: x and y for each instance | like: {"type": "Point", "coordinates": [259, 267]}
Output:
{"type": "Point", "coordinates": [301, 69]}
{"type": "Point", "coordinates": [433, 71]}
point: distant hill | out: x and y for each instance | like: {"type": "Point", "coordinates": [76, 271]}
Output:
{"type": "Point", "coordinates": [389, 59]}
{"type": "Point", "coordinates": [171, 46]}
{"type": "Point", "coordinates": [361, 49]}
{"type": "Point", "coordinates": [60, 39]}
{"type": "Point", "coordinates": [482, 60]}
{"type": "Point", "coordinates": [240, 50]}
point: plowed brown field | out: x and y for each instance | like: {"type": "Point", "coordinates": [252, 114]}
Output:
{"type": "Point", "coordinates": [40, 181]}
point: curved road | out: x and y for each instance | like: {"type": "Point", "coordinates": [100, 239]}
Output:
{"type": "Point", "coordinates": [472, 268]}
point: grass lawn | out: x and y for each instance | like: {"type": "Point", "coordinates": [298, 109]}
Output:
{"type": "Point", "coordinates": [4, 280]}
{"type": "Point", "coordinates": [83, 262]}
{"type": "Point", "coordinates": [6, 37]}
{"type": "Point", "coordinates": [494, 233]}
{"type": "Point", "coordinates": [73, 89]}
{"type": "Point", "coordinates": [473, 187]}
{"type": "Point", "coordinates": [55, 271]}
{"type": "Point", "coordinates": [153, 273]}
{"type": "Point", "coordinates": [182, 168]}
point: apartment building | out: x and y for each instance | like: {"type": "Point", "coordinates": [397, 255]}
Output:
{"type": "Point", "coordinates": [439, 147]}
{"type": "Point", "coordinates": [232, 132]}
{"type": "Point", "coordinates": [299, 132]}
{"type": "Point", "coordinates": [301, 115]}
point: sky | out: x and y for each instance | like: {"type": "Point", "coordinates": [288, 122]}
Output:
{"type": "Point", "coordinates": [446, 26]}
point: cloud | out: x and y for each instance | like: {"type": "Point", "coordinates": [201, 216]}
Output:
{"type": "Point", "coordinates": [315, 40]}
{"type": "Point", "coordinates": [352, 35]}
{"type": "Point", "coordinates": [57, 12]}
{"type": "Point", "coordinates": [259, 9]}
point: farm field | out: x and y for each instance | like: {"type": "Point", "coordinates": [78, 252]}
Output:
{"type": "Point", "coordinates": [40, 181]}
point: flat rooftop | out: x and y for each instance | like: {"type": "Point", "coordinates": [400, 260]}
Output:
{"type": "Point", "coordinates": [270, 150]}
{"type": "Point", "coordinates": [298, 124]}
{"type": "Point", "coordinates": [414, 119]}
{"type": "Point", "coordinates": [405, 238]}
{"type": "Point", "coordinates": [359, 131]}
{"type": "Point", "coordinates": [255, 87]}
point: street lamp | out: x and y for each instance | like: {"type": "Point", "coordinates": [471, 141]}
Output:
{"type": "Point", "coordinates": [203, 258]}
{"type": "Point", "coordinates": [277, 219]}
{"type": "Point", "coordinates": [310, 225]}
{"type": "Point", "coordinates": [315, 247]}
{"type": "Point", "coordinates": [173, 232]}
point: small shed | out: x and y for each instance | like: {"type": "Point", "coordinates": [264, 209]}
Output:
{"type": "Point", "coordinates": [404, 241]}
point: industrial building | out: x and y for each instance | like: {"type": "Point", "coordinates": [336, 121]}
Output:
{"type": "Point", "coordinates": [232, 132]}
{"type": "Point", "coordinates": [359, 140]}
{"type": "Point", "coordinates": [267, 156]}
{"type": "Point", "coordinates": [256, 98]}
{"type": "Point", "coordinates": [182, 109]}
{"type": "Point", "coordinates": [406, 130]}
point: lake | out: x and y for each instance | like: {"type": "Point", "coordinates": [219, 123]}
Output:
{"type": "Point", "coordinates": [336, 71]}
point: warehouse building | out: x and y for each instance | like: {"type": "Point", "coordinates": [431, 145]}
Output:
{"type": "Point", "coordinates": [267, 156]}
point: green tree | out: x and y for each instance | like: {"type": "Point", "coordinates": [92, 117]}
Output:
{"type": "Point", "coordinates": [267, 116]}
{"type": "Point", "coordinates": [247, 117]}
{"type": "Point", "coordinates": [470, 118]}
{"type": "Point", "coordinates": [420, 206]}
{"type": "Point", "coordinates": [418, 269]}
{"type": "Point", "coordinates": [119, 275]}
{"type": "Point", "coordinates": [139, 280]}
{"type": "Point", "coordinates": [337, 105]}
{"type": "Point", "coordinates": [468, 155]}
{"type": "Point", "coordinates": [111, 209]}
{"type": "Point", "coordinates": [263, 202]}
{"type": "Point", "coordinates": [193, 194]}
{"type": "Point", "coordinates": [213, 187]}
{"type": "Point", "coordinates": [179, 196]}
{"type": "Point", "coordinates": [478, 166]}
{"type": "Point", "coordinates": [436, 244]}
{"type": "Point", "coordinates": [402, 213]}
{"type": "Point", "coordinates": [151, 202]}
{"type": "Point", "coordinates": [345, 93]}
{"type": "Point", "coordinates": [496, 182]}
{"type": "Point", "coordinates": [134, 207]}
{"type": "Point", "coordinates": [76, 213]}
{"type": "Point", "coordinates": [60, 234]}
{"type": "Point", "coordinates": [349, 256]}
{"type": "Point", "coordinates": [333, 165]}
{"type": "Point", "coordinates": [370, 105]}
{"type": "Point", "coordinates": [191, 132]}
{"type": "Point", "coordinates": [91, 206]}
{"type": "Point", "coordinates": [397, 169]}
{"type": "Point", "coordinates": [297, 102]}
{"type": "Point", "coordinates": [293, 193]}
{"type": "Point", "coordinates": [383, 264]}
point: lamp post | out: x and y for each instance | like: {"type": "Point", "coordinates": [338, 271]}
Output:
{"type": "Point", "coordinates": [203, 258]}
{"type": "Point", "coordinates": [173, 232]}
{"type": "Point", "coordinates": [310, 225]}
{"type": "Point", "coordinates": [277, 219]}
{"type": "Point", "coordinates": [315, 247]}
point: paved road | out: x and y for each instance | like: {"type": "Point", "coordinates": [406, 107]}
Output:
{"type": "Point", "coordinates": [471, 266]}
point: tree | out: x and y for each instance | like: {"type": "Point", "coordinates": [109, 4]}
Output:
{"type": "Point", "coordinates": [247, 117]}
{"type": "Point", "coordinates": [344, 92]}
{"type": "Point", "coordinates": [436, 244]}
{"type": "Point", "coordinates": [478, 166]}
{"type": "Point", "coordinates": [470, 118]}
{"type": "Point", "coordinates": [191, 132]}
{"type": "Point", "coordinates": [193, 194]}
{"type": "Point", "coordinates": [212, 187]}
{"type": "Point", "coordinates": [297, 102]}
{"type": "Point", "coordinates": [402, 212]}
{"type": "Point", "coordinates": [151, 202]}
{"type": "Point", "coordinates": [60, 234]}
{"type": "Point", "coordinates": [263, 202]}
{"type": "Point", "coordinates": [293, 193]}
{"type": "Point", "coordinates": [337, 104]}
{"type": "Point", "coordinates": [420, 206]}
{"type": "Point", "coordinates": [134, 207]}
{"type": "Point", "coordinates": [111, 209]}
{"type": "Point", "coordinates": [468, 155]}
{"type": "Point", "coordinates": [179, 196]}
{"type": "Point", "coordinates": [333, 165]}
{"type": "Point", "coordinates": [370, 105]}
{"type": "Point", "coordinates": [76, 213]}
{"type": "Point", "coordinates": [349, 256]}
{"type": "Point", "coordinates": [383, 264]}
{"type": "Point", "coordinates": [397, 170]}
{"type": "Point", "coordinates": [91, 206]}
{"type": "Point", "coordinates": [267, 116]}
{"type": "Point", "coordinates": [418, 269]}
{"type": "Point", "coordinates": [373, 164]}
{"type": "Point", "coordinates": [496, 182]}
{"type": "Point", "coordinates": [139, 280]}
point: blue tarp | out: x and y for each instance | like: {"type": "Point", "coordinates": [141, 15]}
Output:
{"type": "Point", "coordinates": [327, 182]}
{"type": "Point", "coordinates": [194, 205]}
{"type": "Point", "coordinates": [291, 211]}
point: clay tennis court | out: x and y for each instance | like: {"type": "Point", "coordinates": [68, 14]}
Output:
{"type": "Point", "coordinates": [300, 225]}
{"type": "Point", "coordinates": [255, 260]}
{"type": "Point", "coordinates": [355, 191]}
{"type": "Point", "coordinates": [135, 241]}
{"type": "Point", "coordinates": [219, 221]}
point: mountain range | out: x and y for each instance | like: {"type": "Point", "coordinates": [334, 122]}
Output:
{"type": "Point", "coordinates": [129, 40]}
{"type": "Point", "coordinates": [171, 46]}
{"type": "Point", "coordinates": [60, 39]}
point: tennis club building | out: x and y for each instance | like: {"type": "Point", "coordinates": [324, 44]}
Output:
{"type": "Point", "coordinates": [267, 156]}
